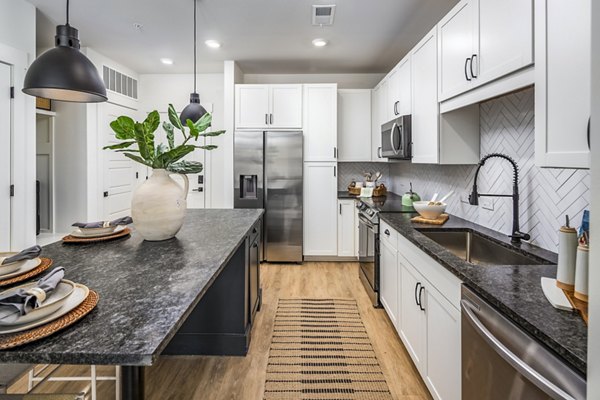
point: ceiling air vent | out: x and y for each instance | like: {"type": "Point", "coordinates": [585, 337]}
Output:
{"type": "Point", "coordinates": [323, 15]}
{"type": "Point", "coordinates": [120, 83]}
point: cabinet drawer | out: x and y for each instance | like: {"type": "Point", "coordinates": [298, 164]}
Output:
{"type": "Point", "coordinates": [388, 234]}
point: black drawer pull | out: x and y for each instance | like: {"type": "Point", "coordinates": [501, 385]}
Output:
{"type": "Point", "coordinates": [471, 65]}
{"type": "Point", "coordinates": [416, 296]}
{"type": "Point", "coordinates": [420, 299]}
{"type": "Point", "coordinates": [387, 232]}
{"type": "Point", "coordinates": [254, 230]}
{"type": "Point", "coordinates": [466, 73]}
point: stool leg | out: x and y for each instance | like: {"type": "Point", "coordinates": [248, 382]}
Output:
{"type": "Point", "coordinates": [132, 382]}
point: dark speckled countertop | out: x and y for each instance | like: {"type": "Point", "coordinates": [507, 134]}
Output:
{"type": "Point", "coordinates": [514, 290]}
{"type": "Point", "coordinates": [147, 290]}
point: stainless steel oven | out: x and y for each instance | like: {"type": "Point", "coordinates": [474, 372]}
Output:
{"type": "Point", "coordinates": [396, 138]}
{"type": "Point", "coordinates": [368, 255]}
{"type": "Point", "coordinates": [500, 361]}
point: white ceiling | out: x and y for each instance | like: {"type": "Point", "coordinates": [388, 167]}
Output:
{"type": "Point", "coordinates": [264, 36]}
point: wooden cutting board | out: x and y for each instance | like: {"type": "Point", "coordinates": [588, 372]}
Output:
{"type": "Point", "coordinates": [441, 220]}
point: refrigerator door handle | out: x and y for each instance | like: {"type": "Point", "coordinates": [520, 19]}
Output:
{"type": "Point", "coordinates": [334, 170]}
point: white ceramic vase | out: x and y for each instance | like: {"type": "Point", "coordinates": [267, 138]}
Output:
{"type": "Point", "coordinates": [158, 206]}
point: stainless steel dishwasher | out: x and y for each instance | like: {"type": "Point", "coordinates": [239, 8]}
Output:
{"type": "Point", "coordinates": [500, 361]}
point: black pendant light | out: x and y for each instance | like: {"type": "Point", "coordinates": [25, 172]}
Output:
{"type": "Point", "coordinates": [193, 111]}
{"type": "Point", "coordinates": [64, 73]}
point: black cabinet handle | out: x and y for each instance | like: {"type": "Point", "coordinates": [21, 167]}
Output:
{"type": "Point", "coordinates": [588, 133]}
{"type": "Point", "coordinates": [387, 232]}
{"type": "Point", "coordinates": [466, 73]}
{"type": "Point", "coordinates": [105, 194]}
{"type": "Point", "coordinates": [334, 171]}
{"type": "Point", "coordinates": [266, 119]}
{"type": "Point", "coordinates": [254, 230]}
{"type": "Point", "coordinates": [255, 245]}
{"type": "Point", "coordinates": [417, 290]}
{"type": "Point", "coordinates": [471, 65]}
{"type": "Point", "coordinates": [396, 108]}
{"type": "Point", "coordinates": [420, 299]}
{"type": "Point", "coordinates": [271, 119]}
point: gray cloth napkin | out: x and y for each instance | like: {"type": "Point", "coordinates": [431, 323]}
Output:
{"type": "Point", "coordinates": [24, 302]}
{"type": "Point", "coordinates": [100, 224]}
{"type": "Point", "coordinates": [27, 254]}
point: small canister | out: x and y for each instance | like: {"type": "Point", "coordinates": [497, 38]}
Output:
{"type": "Point", "coordinates": [567, 254]}
{"type": "Point", "coordinates": [581, 273]}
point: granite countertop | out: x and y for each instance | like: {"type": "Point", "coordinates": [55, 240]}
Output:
{"type": "Point", "coordinates": [344, 194]}
{"type": "Point", "coordinates": [147, 290]}
{"type": "Point", "coordinates": [514, 290]}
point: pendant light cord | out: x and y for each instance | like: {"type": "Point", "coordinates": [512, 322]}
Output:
{"type": "Point", "coordinates": [195, 1]}
{"type": "Point", "coordinates": [67, 12]}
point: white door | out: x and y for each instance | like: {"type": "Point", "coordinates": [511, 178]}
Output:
{"type": "Point", "coordinates": [251, 106]}
{"type": "Point", "coordinates": [425, 107]}
{"type": "Point", "coordinates": [120, 173]}
{"type": "Point", "coordinates": [286, 107]}
{"type": "Point", "coordinates": [403, 89]}
{"type": "Point", "coordinates": [443, 346]}
{"type": "Point", "coordinates": [320, 214]}
{"type": "Point", "coordinates": [354, 125]}
{"type": "Point", "coordinates": [389, 280]}
{"type": "Point", "coordinates": [505, 38]}
{"type": "Point", "coordinates": [457, 33]}
{"type": "Point", "coordinates": [412, 317]}
{"type": "Point", "coordinates": [346, 228]}
{"type": "Point", "coordinates": [5, 157]}
{"type": "Point", "coordinates": [44, 153]}
{"type": "Point", "coordinates": [320, 122]}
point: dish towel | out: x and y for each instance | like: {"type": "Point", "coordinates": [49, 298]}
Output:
{"type": "Point", "coordinates": [27, 254]}
{"type": "Point", "coordinates": [25, 301]}
{"type": "Point", "coordinates": [104, 224]}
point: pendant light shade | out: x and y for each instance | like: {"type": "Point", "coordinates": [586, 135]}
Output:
{"type": "Point", "coordinates": [64, 73]}
{"type": "Point", "coordinates": [193, 111]}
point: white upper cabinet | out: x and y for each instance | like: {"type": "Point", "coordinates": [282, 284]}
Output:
{"type": "Point", "coordinates": [457, 35]}
{"type": "Point", "coordinates": [268, 106]}
{"type": "Point", "coordinates": [354, 124]}
{"type": "Point", "coordinates": [399, 90]}
{"type": "Point", "coordinates": [320, 203]}
{"type": "Point", "coordinates": [320, 122]}
{"type": "Point", "coordinates": [377, 102]}
{"type": "Point", "coordinates": [425, 107]}
{"type": "Point", "coordinates": [562, 83]}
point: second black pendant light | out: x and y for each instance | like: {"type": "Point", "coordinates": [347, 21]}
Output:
{"type": "Point", "coordinates": [193, 111]}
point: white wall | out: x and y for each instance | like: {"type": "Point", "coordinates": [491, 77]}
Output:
{"type": "Point", "coordinates": [158, 90]}
{"type": "Point", "coordinates": [232, 75]}
{"type": "Point", "coordinates": [344, 81]}
{"type": "Point", "coordinates": [17, 48]}
{"type": "Point", "coordinates": [593, 376]}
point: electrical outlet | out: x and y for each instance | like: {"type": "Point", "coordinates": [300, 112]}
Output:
{"type": "Point", "coordinates": [487, 203]}
{"type": "Point", "coordinates": [464, 198]}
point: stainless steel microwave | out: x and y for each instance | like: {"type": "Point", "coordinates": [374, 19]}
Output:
{"type": "Point", "coordinates": [396, 139]}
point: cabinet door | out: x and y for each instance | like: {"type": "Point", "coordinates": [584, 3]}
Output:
{"type": "Point", "coordinates": [320, 214]}
{"type": "Point", "coordinates": [251, 106]}
{"type": "Point", "coordinates": [505, 38]}
{"type": "Point", "coordinates": [354, 125]}
{"type": "Point", "coordinates": [457, 33]}
{"type": "Point", "coordinates": [425, 107]}
{"type": "Point", "coordinates": [286, 107]}
{"type": "Point", "coordinates": [412, 318]}
{"type": "Point", "coordinates": [562, 83]}
{"type": "Point", "coordinates": [346, 228]}
{"type": "Point", "coordinates": [376, 124]}
{"type": "Point", "coordinates": [443, 346]}
{"type": "Point", "coordinates": [393, 95]}
{"type": "Point", "coordinates": [403, 89]}
{"type": "Point", "coordinates": [388, 283]}
{"type": "Point", "coordinates": [320, 122]}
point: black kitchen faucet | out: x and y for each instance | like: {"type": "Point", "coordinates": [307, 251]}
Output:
{"type": "Point", "coordinates": [516, 235]}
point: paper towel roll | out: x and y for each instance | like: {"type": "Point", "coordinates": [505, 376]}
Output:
{"type": "Point", "coordinates": [581, 273]}
{"type": "Point", "coordinates": [567, 254]}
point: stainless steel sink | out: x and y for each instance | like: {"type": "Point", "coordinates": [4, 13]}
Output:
{"type": "Point", "coordinates": [479, 250]}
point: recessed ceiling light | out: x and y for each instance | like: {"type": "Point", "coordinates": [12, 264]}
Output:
{"type": "Point", "coordinates": [166, 61]}
{"type": "Point", "coordinates": [212, 44]}
{"type": "Point", "coordinates": [319, 42]}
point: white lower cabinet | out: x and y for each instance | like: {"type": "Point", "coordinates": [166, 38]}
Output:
{"type": "Point", "coordinates": [422, 298]}
{"type": "Point", "coordinates": [347, 228]}
{"type": "Point", "coordinates": [320, 209]}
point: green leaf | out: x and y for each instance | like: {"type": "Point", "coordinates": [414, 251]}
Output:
{"type": "Point", "coordinates": [174, 155]}
{"type": "Point", "coordinates": [152, 121]}
{"type": "Point", "coordinates": [186, 167]}
{"type": "Point", "coordinates": [207, 147]}
{"type": "Point", "coordinates": [214, 133]}
{"type": "Point", "coordinates": [127, 151]}
{"type": "Point", "coordinates": [122, 145]}
{"type": "Point", "coordinates": [204, 122]}
{"type": "Point", "coordinates": [137, 159]}
{"type": "Point", "coordinates": [161, 149]}
{"type": "Point", "coordinates": [193, 131]}
{"type": "Point", "coordinates": [168, 128]}
{"type": "Point", "coordinates": [123, 128]}
{"type": "Point", "coordinates": [174, 118]}
{"type": "Point", "coordinates": [145, 141]}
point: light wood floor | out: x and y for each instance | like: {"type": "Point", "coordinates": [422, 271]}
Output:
{"type": "Point", "coordinates": [180, 378]}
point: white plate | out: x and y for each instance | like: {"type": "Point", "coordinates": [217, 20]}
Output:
{"type": "Point", "coordinates": [98, 231]}
{"type": "Point", "coordinates": [75, 299]}
{"type": "Point", "coordinates": [27, 266]}
{"type": "Point", "coordinates": [12, 267]}
{"type": "Point", "coordinates": [78, 233]}
{"type": "Point", "coordinates": [10, 317]}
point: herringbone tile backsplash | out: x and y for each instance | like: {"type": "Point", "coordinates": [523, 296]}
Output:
{"type": "Point", "coordinates": [547, 195]}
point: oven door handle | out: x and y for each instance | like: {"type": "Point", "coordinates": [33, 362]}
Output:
{"type": "Point", "coordinates": [526, 370]}
{"type": "Point", "coordinates": [366, 222]}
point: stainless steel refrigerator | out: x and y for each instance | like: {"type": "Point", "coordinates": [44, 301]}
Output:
{"type": "Point", "coordinates": [268, 174]}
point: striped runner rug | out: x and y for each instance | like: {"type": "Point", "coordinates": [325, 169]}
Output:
{"type": "Point", "coordinates": [320, 350]}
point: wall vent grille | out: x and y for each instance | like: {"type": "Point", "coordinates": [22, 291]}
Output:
{"type": "Point", "coordinates": [323, 15]}
{"type": "Point", "coordinates": [118, 82]}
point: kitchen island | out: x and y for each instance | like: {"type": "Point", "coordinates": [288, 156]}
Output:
{"type": "Point", "coordinates": [156, 293]}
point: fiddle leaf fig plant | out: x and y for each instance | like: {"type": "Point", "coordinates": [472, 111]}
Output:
{"type": "Point", "coordinates": [138, 144]}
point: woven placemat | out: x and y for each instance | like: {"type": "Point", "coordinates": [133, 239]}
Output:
{"type": "Point", "coordinates": [73, 239]}
{"type": "Point", "coordinates": [18, 339]}
{"type": "Point", "coordinates": [320, 350]}
{"type": "Point", "coordinates": [44, 265]}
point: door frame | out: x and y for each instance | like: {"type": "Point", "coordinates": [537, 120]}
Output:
{"type": "Point", "coordinates": [51, 115]}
